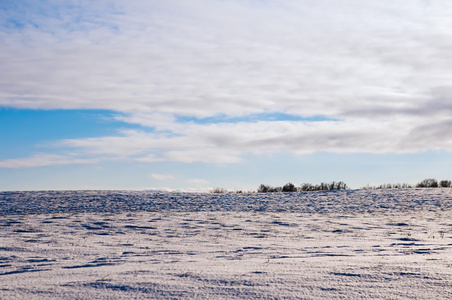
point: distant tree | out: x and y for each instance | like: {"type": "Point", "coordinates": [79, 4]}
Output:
{"type": "Point", "coordinates": [445, 183]}
{"type": "Point", "coordinates": [264, 188]}
{"type": "Point", "coordinates": [277, 189]}
{"type": "Point", "coordinates": [341, 185]}
{"type": "Point", "coordinates": [389, 186]}
{"type": "Point", "coordinates": [332, 186]}
{"type": "Point", "coordinates": [428, 183]}
{"type": "Point", "coordinates": [307, 187]}
{"type": "Point", "coordinates": [323, 186]}
{"type": "Point", "coordinates": [289, 188]}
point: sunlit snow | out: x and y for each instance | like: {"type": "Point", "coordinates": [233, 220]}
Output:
{"type": "Point", "coordinates": [376, 244]}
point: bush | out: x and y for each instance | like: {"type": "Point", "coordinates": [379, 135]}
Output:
{"type": "Point", "coordinates": [323, 186]}
{"type": "Point", "coordinates": [445, 183]}
{"type": "Point", "coordinates": [219, 191]}
{"type": "Point", "coordinates": [289, 188]}
{"type": "Point", "coordinates": [264, 188]}
{"type": "Point", "coordinates": [307, 187]}
{"type": "Point", "coordinates": [428, 183]}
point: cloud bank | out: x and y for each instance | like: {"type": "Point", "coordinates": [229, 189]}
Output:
{"type": "Point", "coordinates": [377, 73]}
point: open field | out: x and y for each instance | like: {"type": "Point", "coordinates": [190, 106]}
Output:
{"type": "Point", "coordinates": [376, 244]}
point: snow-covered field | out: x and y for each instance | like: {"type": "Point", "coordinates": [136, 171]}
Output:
{"type": "Point", "coordinates": [376, 244]}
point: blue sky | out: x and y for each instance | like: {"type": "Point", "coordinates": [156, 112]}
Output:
{"type": "Point", "coordinates": [199, 94]}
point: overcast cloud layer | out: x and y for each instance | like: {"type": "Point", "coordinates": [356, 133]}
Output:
{"type": "Point", "coordinates": [362, 76]}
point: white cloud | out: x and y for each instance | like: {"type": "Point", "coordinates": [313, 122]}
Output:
{"type": "Point", "coordinates": [226, 143]}
{"type": "Point", "coordinates": [211, 57]}
{"type": "Point", "coordinates": [229, 142]}
{"type": "Point", "coordinates": [381, 68]}
{"type": "Point", "coordinates": [40, 160]}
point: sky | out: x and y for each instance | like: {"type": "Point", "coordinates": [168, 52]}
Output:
{"type": "Point", "coordinates": [192, 95]}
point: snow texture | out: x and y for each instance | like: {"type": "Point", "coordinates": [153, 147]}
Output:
{"type": "Point", "coordinates": [375, 244]}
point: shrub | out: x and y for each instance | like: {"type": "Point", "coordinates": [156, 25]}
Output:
{"type": "Point", "coordinates": [307, 187]}
{"type": "Point", "coordinates": [428, 183]}
{"type": "Point", "coordinates": [289, 188]}
{"type": "Point", "coordinates": [445, 183]}
{"type": "Point", "coordinates": [219, 191]}
{"type": "Point", "coordinates": [323, 186]}
{"type": "Point", "coordinates": [264, 188]}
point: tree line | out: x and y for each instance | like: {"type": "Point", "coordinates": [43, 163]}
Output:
{"type": "Point", "coordinates": [426, 183]}
{"type": "Point", "coordinates": [338, 185]}
{"type": "Point", "coordinates": [304, 187]}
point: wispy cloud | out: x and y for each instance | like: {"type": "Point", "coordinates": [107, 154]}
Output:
{"type": "Point", "coordinates": [228, 142]}
{"type": "Point", "coordinates": [162, 177]}
{"type": "Point", "coordinates": [198, 181]}
{"type": "Point", "coordinates": [41, 160]}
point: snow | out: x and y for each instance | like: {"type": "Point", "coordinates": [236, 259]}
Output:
{"type": "Point", "coordinates": [376, 244]}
